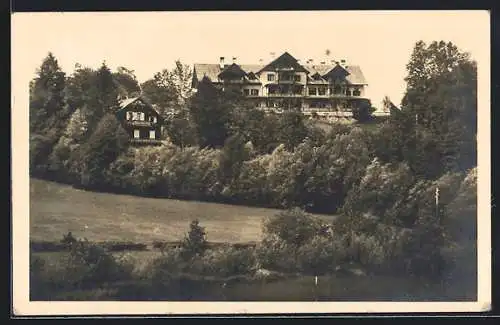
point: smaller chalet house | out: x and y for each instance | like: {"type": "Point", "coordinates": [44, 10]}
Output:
{"type": "Point", "coordinates": [142, 122]}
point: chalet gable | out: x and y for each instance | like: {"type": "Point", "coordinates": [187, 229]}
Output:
{"type": "Point", "coordinates": [337, 72]}
{"type": "Point", "coordinates": [233, 71]}
{"type": "Point", "coordinates": [284, 62]}
{"type": "Point", "coordinates": [137, 108]}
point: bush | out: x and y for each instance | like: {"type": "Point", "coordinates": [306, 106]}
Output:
{"type": "Point", "coordinates": [195, 242]}
{"type": "Point", "coordinates": [89, 265]}
{"type": "Point", "coordinates": [294, 227]}
{"type": "Point", "coordinates": [274, 254]}
{"type": "Point", "coordinates": [321, 255]}
{"type": "Point", "coordinates": [225, 261]}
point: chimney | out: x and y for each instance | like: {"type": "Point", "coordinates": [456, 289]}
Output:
{"type": "Point", "coordinates": [342, 62]}
{"type": "Point", "coordinates": [221, 62]}
{"type": "Point", "coordinates": [234, 59]}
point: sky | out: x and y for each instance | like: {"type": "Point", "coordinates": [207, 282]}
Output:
{"type": "Point", "coordinates": [380, 42]}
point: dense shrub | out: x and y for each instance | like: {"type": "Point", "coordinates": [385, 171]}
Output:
{"type": "Point", "coordinates": [293, 227]}
{"type": "Point", "coordinates": [89, 265]}
{"type": "Point", "coordinates": [274, 254]}
{"type": "Point", "coordinates": [225, 261]}
{"type": "Point", "coordinates": [321, 255]}
{"type": "Point", "coordinates": [195, 242]}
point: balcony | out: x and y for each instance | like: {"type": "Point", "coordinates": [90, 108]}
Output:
{"type": "Point", "coordinates": [285, 95]}
{"type": "Point", "coordinates": [146, 142]}
{"type": "Point", "coordinates": [140, 123]}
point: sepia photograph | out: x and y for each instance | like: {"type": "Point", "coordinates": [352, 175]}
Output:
{"type": "Point", "coordinates": [251, 162]}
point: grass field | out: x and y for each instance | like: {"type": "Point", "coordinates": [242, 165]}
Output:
{"type": "Point", "coordinates": [56, 209]}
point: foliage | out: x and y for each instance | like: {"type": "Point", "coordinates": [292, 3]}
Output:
{"type": "Point", "coordinates": [180, 129]}
{"type": "Point", "coordinates": [363, 111]}
{"type": "Point", "coordinates": [210, 114]}
{"type": "Point", "coordinates": [225, 261]}
{"type": "Point", "coordinates": [293, 227]}
{"type": "Point", "coordinates": [127, 83]}
{"type": "Point", "coordinates": [47, 102]}
{"type": "Point", "coordinates": [291, 129]}
{"type": "Point", "coordinates": [195, 243]}
{"type": "Point", "coordinates": [435, 131]}
{"type": "Point", "coordinates": [169, 90]}
{"type": "Point", "coordinates": [102, 148]}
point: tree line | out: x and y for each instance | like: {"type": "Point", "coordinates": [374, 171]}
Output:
{"type": "Point", "coordinates": [225, 150]}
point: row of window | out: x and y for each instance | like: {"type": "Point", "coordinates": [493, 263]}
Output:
{"type": "Point", "coordinates": [140, 116]}
{"type": "Point", "coordinates": [253, 92]}
{"type": "Point", "coordinates": [336, 91]}
{"type": "Point", "coordinates": [137, 134]}
{"type": "Point", "coordinates": [311, 92]}
{"type": "Point", "coordinates": [286, 77]}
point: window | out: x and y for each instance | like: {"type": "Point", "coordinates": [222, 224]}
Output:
{"type": "Point", "coordinates": [296, 77]}
{"type": "Point", "coordinates": [312, 91]}
{"type": "Point", "coordinates": [337, 90]}
{"type": "Point", "coordinates": [255, 92]}
{"type": "Point", "coordinates": [129, 116]}
{"type": "Point", "coordinates": [143, 116]}
{"type": "Point", "coordinates": [152, 119]}
{"type": "Point", "coordinates": [270, 77]}
{"type": "Point", "coordinates": [322, 91]}
{"type": "Point", "coordinates": [348, 92]}
{"type": "Point", "coordinates": [152, 134]}
{"type": "Point", "coordinates": [137, 134]}
{"type": "Point", "coordinates": [246, 92]}
{"type": "Point", "coordinates": [356, 92]}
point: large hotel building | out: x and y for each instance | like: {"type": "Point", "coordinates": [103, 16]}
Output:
{"type": "Point", "coordinates": [329, 89]}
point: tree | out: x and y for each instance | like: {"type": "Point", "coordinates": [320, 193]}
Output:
{"type": "Point", "coordinates": [127, 83]}
{"type": "Point", "coordinates": [436, 128]}
{"type": "Point", "coordinates": [210, 114]}
{"type": "Point", "coordinates": [180, 129]}
{"type": "Point", "coordinates": [47, 112]}
{"type": "Point", "coordinates": [102, 148]}
{"type": "Point", "coordinates": [169, 89]}
{"type": "Point", "coordinates": [234, 153]}
{"type": "Point", "coordinates": [47, 96]}
{"type": "Point", "coordinates": [292, 129]}
{"type": "Point", "coordinates": [195, 242]}
{"type": "Point", "coordinates": [100, 98]}
{"type": "Point", "coordinates": [363, 111]}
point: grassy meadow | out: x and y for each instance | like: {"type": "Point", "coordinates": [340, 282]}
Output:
{"type": "Point", "coordinates": [56, 209]}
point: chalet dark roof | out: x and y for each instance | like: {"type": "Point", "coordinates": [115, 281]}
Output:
{"type": "Point", "coordinates": [355, 76]}
{"type": "Point", "coordinates": [127, 102]}
{"type": "Point", "coordinates": [212, 71]}
{"type": "Point", "coordinates": [284, 61]}
{"type": "Point", "coordinates": [232, 70]}
{"type": "Point", "coordinates": [337, 71]}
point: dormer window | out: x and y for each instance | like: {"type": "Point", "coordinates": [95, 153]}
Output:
{"type": "Point", "coordinates": [296, 77]}
{"type": "Point", "coordinates": [356, 92]}
{"type": "Point", "coordinates": [270, 77]}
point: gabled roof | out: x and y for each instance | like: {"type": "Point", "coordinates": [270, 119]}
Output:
{"type": "Point", "coordinates": [337, 71]}
{"type": "Point", "coordinates": [355, 76]}
{"type": "Point", "coordinates": [285, 60]}
{"type": "Point", "coordinates": [212, 71]}
{"type": "Point", "coordinates": [232, 70]}
{"type": "Point", "coordinates": [127, 102]}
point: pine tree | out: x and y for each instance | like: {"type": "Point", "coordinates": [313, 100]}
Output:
{"type": "Point", "coordinates": [47, 96]}
{"type": "Point", "coordinates": [210, 114]}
